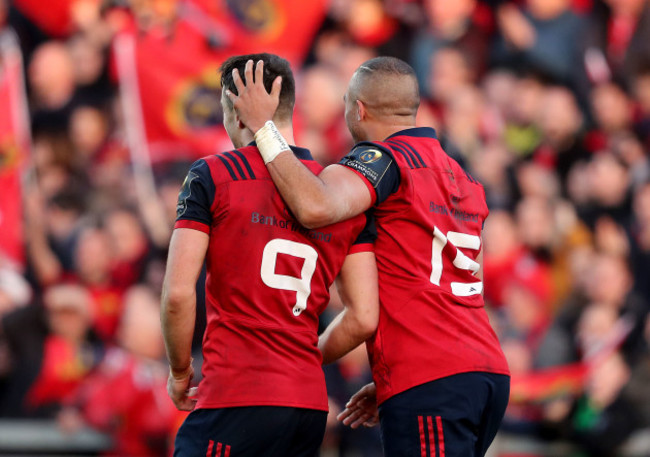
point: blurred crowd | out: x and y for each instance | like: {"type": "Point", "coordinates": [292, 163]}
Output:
{"type": "Point", "coordinates": [546, 102]}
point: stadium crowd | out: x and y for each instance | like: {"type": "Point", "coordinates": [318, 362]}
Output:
{"type": "Point", "coordinates": [546, 102]}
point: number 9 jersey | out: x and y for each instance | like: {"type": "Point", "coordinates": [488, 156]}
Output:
{"type": "Point", "coordinates": [267, 281]}
{"type": "Point", "coordinates": [429, 215]}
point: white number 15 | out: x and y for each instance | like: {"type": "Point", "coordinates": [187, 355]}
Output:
{"type": "Point", "coordinates": [461, 261]}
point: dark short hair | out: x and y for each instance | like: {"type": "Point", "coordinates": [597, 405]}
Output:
{"type": "Point", "coordinates": [274, 66]}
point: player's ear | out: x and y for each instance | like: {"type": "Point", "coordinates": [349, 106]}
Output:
{"type": "Point", "coordinates": [361, 110]}
{"type": "Point", "coordinates": [240, 124]}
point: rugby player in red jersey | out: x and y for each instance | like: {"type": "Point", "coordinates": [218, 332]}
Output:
{"type": "Point", "coordinates": [263, 389]}
{"type": "Point", "coordinates": [440, 377]}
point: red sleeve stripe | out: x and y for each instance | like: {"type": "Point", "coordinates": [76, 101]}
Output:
{"type": "Point", "coordinates": [441, 437]}
{"type": "Point", "coordinates": [423, 444]}
{"type": "Point", "coordinates": [200, 226]}
{"type": "Point", "coordinates": [373, 192]}
{"type": "Point", "coordinates": [362, 247]}
{"type": "Point", "coordinates": [432, 445]}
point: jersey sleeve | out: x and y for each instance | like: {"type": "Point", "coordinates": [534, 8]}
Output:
{"type": "Point", "coordinates": [365, 242]}
{"type": "Point", "coordinates": [375, 164]}
{"type": "Point", "coordinates": [195, 199]}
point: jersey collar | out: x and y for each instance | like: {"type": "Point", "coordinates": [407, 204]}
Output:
{"type": "Point", "coordinates": [419, 132]}
{"type": "Point", "coordinates": [301, 153]}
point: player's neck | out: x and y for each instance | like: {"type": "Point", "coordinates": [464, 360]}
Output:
{"type": "Point", "coordinates": [287, 132]}
{"type": "Point", "coordinates": [380, 131]}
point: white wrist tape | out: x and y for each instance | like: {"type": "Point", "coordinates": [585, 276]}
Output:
{"type": "Point", "coordinates": [270, 142]}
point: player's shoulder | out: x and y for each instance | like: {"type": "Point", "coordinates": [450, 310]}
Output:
{"type": "Point", "coordinates": [304, 155]}
{"type": "Point", "coordinates": [235, 164]}
{"type": "Point", "coordinates": [462, 171]}
{"type": "Point", "coordinates": [369, 154]}
{"type": "Point", "coordinates": [246, 163]}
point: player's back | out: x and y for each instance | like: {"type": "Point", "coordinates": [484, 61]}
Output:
{"type": "Point", "coordinates": [267, 281]}
{"type": "Point", "coordinates": [432, 322]}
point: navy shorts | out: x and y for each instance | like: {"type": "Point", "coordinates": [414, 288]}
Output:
{"type": "Point", "coordinates": [251, 431]}
{"type": "Point", "coordinates": [455, 416]}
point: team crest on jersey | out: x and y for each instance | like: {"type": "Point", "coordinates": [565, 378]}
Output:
{"type": "Point", "coordinates": [185, 193]}
{"type": "Point", "coordinates": [196, 103]}
{"type": "Point", "coordinates": [258, 16]}
{"type": "Point", "coordinates": [370, 156]}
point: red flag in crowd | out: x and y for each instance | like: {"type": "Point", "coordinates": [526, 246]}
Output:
{"type": "Point", "coordinates": [543, 385]}
{"type": "Point", "coordinates": [64, 368]}
{"type": "Point", "coordinates": [283, 27]}
{"type": "Point", "coordinates": [570, 379]}
{"type": "Point", "coordinates": [171, 82]}
{"type": "Point", "coordinates": [14, 147]}
{"type": "Point", "coordinates": [172, 93]}
{"type": "Point", "coordinates": [54, 19]}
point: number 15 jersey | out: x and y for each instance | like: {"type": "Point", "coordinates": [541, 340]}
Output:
{"type": "Point", "coordinates": [267, 281]}
{"type": "Point", "coordinates": [429, 214]}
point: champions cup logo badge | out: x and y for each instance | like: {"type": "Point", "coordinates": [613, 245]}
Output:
{"type": "Point", "coordinates": [370, 156]}
{"type": "Point", "coordinates": [196, 104]}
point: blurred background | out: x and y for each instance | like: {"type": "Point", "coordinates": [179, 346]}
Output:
{"type": "Point", "coordinates": [105, 103]}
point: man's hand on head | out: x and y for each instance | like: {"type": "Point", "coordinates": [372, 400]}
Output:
{"type": "Point", "coordinates": [253, 104]}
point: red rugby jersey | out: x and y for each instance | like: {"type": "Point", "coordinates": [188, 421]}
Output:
{"type": "Point", "coordinates": [429, 214]}
{"type": "Point", "coordinates": [268, 279]}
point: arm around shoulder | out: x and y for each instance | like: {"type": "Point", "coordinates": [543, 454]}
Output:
{"type": "Point", "coordinates": [336, 194]}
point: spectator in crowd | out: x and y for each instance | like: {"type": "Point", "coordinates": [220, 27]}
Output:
{"type": "Point", "coordinates": [323, 130]}
{"type": "Point", "coordinates": [543, 38]}
{"type": "Point", "coordinates": [640, 240]}
{"type": "Point", "coordinates": [52, 81]}
{"type": "Point", "coordinates": [560, 122]}
{"type": "Point", "coordinates": [641, 89]}
{"type": "Point", "coordinates": [612, 111]}
{"type": "Point", "coordinates": [460, 24]}
{"type": "Point", "coordinates": [51, 350]}
{"type": "Point", "coordinates": [125, 396]}
{"type": "Point", "coordinates": [618, 40]}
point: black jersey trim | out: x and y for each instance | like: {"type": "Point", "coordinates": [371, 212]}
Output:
{"type": "Point", "coordinates": [405, 153]}
{"type": "Point", "coordinates": [245, 162]}
{"type": "Point", "coordinates": [418, 132]}
{"type": "Point", "coordinates": [228, 167]}
{"type": "Point", "coordinates": [301, 153]}
{"type": "Point", "coordinates": [234, 160]}
{"type": "Point", "coordinates": [412, 149]}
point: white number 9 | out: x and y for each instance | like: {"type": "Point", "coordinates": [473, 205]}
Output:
{"type": "Point", "coordinates": [301, 285]}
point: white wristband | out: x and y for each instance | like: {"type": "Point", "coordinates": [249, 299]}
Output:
{"type": "Point", "coordinates": [270, 142]}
